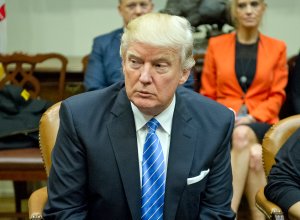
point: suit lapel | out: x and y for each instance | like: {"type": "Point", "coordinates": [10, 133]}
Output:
{"type": "Point", "coordinates": [123, 138]}
{"type": "Point", "coordinates": [181, 154]}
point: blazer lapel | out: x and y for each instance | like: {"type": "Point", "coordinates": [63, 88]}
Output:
{"type": "Point", "coordinates": [123, 138]}
{"type": "Point", "coordinates": [229, 53]}
{"type": "Point", "coordinates": [183, 138]}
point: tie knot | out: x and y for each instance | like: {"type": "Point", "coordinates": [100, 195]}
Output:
{"type": "Point", "coordinates": [152, 125]}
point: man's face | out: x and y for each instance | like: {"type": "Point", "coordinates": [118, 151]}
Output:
{"type": "Point", "coordinates": [130, 9]}
{"type": "Point", "coordinates": [152, 75]}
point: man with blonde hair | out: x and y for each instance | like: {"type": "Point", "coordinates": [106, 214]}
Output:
{"type": "Point", "coordinates": [146, 149]}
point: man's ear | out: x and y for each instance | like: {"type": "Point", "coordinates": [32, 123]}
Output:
{"type": "Point", "coordinates": [119, 9]}
{"type": "Point", "coordinates": [184, 77]}
{"type": "Point", "coordinates": [123, 66]}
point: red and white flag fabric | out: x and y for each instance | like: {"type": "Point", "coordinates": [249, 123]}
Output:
{"type": "Point", "coordinates": [3, 33]}
{"type": "Point", "coordinates": [2, 10]}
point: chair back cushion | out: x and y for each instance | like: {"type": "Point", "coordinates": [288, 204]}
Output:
{"type": "Point", "coordinates": [276, 137]}
{"type": "Point", "coordinates": [48, 129]}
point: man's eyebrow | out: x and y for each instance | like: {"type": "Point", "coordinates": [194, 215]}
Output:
{"type": "Point", "coordinates": [131, 54]}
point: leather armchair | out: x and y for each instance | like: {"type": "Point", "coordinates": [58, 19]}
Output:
{"type": "Point", "coordinates": [48, 129]}
{"type": "Point", "coordinates": [272, 142]}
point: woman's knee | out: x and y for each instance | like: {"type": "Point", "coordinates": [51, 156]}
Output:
{"type": "Point", "coordinates": [256, 157]}
{"type": "Point", "coordinates": [242, 137]}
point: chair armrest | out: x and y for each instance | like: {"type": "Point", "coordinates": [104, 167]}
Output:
{"type": "Point", "coordinates": [270, 209]}
{"type": "Point", "coordinates": [37, 201]}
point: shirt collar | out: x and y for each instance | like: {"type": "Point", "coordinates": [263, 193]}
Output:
{"type": "Point", "coordinates": [164, 118]}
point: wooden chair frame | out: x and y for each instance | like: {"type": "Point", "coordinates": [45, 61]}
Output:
{"type": "Point", "coordinates": [24, 77]}
{"type": "Point", "coordinates": [22, 165]}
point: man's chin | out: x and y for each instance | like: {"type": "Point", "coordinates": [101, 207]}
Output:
{"type": "Point", "coordinates": [146, 107]}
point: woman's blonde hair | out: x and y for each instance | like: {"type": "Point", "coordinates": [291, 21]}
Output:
{"type": "Point", "coordinates": [161, 30]}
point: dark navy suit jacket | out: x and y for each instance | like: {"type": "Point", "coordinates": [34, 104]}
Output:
{"type": "Point", "coordinates": [95, 167]}
{"type": "Point", "coordinates": [105, 66]}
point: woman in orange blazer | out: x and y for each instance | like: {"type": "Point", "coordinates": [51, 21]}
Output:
{"type": "Point", "coordinates": [247, 72]}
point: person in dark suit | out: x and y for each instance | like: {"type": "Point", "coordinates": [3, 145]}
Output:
{"type": "Point", "coordinates": [100, 162]}
{"type": "Point", "coordinates": [104, 66]}
{"type": "Point", "coordinates": [295, 88]}
{"type": "Point", "coordinates": [283, 187]}
{"type": "Point", "coordinates": [291, 105]}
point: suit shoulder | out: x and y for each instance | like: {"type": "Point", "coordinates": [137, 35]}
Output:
{"type": "Point", "coordinates": [270, 41]}
{"type": "Point", "coordinates": [199, 103]}
{"type": "Point", "coordinates": [96, 99]}
{"type": "Point", "coordinates": [108, 36]}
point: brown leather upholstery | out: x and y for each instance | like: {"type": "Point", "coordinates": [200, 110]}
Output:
{"type": "Point", "coordinates": [37, 201]}
{"type": "Point", "coordinates": [48, 129]}
{"type": "Point", "coordinates": [272, 142]}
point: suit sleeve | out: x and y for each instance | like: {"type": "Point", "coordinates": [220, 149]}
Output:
{"type": "Point", "coordinates": [94, 77]}
{"type": "Point", "coordinates": [209, 74]}
{"type": "Point", "coordinates": [218, 194]}
{"type": "Point", "coordinates": [283, 186]}
{"type": "Point", "coordinates": [270, 108]}
{"type": "Point", "coordinates": [67, 182]}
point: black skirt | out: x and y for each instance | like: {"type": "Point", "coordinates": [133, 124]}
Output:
{"type": "Point", "coordinates": [259, 129]}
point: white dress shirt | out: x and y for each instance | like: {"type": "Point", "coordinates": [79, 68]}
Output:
{"type": "Point", "coordinates": [163, 132]}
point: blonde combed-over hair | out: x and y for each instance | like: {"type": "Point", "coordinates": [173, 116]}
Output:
{"type": "Point", "coordinates": [161, 30]}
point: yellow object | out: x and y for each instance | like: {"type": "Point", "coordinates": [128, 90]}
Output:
{"type": "Point", "coordinates": [25, 94]}
{"type": "Point", "coordinates": [1, 71]}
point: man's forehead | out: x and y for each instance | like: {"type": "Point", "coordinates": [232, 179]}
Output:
{"type": "Point", "coordinates": [161, 54]}
{"type": "Point", "coordinates": [134, 1]}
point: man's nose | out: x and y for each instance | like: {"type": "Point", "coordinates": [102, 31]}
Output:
{"type": "Point", "coordinates": [145, 75]}
{"type": "Point", "coordinates": [138, 9]}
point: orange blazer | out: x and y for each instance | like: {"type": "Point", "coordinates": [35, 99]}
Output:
{"type": "Point", "coordinates": [266, 93]}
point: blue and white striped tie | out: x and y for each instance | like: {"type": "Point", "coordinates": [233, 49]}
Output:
{"type": "Point", "coordinates": [154, 175]}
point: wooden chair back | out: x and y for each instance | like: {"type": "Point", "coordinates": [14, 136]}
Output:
{"type": "Point", "coordinates": [84, 62]}
{"type": "Point", "coordinates": [20, 69]}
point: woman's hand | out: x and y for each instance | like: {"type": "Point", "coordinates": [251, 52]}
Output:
{"type": "Point", "coordinates": [247, 119]}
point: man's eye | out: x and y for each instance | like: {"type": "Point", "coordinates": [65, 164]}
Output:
{"type": "Point", "coordinates": [144, 5]}
{"type": "Point", "coordinates": [161, 67]}
{"type": "Point", "coordinates": [134, 63]}
{"type": "Point", "coordinates": [131, 6]}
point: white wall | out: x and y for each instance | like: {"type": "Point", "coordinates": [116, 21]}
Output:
{"type": "Point", "coordinates": [69, 26]}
